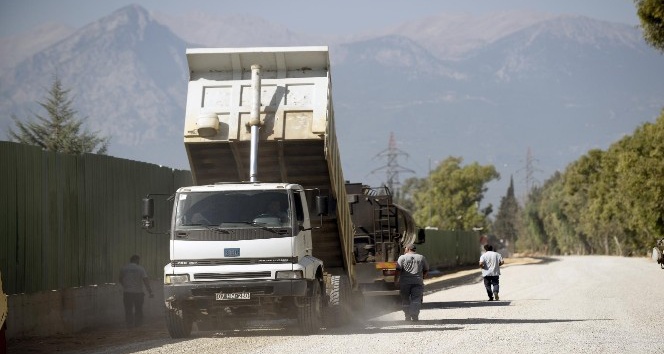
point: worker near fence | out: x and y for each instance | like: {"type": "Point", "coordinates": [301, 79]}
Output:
{"type": "Point", "coordinates": [413, 268]}
{"type": "Point", "coordinates": [132, 278]}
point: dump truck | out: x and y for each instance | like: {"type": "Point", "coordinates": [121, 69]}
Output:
{"type": "Point", "coordinates": [259, 130]}
{"type": "Point", "coordinates": [266, 230]}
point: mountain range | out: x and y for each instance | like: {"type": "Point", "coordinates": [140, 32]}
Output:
{"type": "Point", "coordinates": [526, 92]}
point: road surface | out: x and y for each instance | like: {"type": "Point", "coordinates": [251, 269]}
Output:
{"type": "Point", "coordinates": [576, 304]}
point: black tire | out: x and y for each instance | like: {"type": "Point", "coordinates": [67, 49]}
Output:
{"type": "Point", "coordinates": [309, 315]}
{"type": "Point", "coordinates": [338, 311]}
{"type": "Point", "coordinates": [179, 326]}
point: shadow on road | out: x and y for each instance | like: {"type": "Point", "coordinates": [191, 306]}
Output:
{"type": "Point", "coordinates": [470, 321]}
{"type": "Point", "coordinates": [463, 304]}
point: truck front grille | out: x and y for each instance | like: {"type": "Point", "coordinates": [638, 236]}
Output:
{"type": "Point", "coordinates": [226, 276]}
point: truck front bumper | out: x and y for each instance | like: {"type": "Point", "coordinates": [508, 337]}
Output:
{"type": "Point", "coordinates": [256, 289]}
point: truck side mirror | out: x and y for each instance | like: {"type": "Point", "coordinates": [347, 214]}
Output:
{"type": "Point", "coordinates": [148, 213]}
{"type": "Point", "coordinates": [321, 205]}
{"type": "Point", "coordinates": [421, 235]}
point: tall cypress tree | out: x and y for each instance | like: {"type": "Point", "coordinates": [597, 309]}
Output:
{"type": "Point", "coordinates": [507, 221]}
{"type": "Point", "coordinates": [60, 129]}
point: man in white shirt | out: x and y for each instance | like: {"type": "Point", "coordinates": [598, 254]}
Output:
{"type": "Point", "coordinates": [490, 263]}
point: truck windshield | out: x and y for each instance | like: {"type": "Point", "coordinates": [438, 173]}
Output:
{"type": "Point", "coordinates": [232, 209]}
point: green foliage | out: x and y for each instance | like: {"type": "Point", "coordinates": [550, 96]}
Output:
{"type": "Point", "coordinates": [651, 15]}
{"type": "Point", "coordinates": [606, 202]}
{"type": "Point", "coordinates": [449, 199]}
{"type": "Point", "coordinates": [532, 236]}
{"type": "Point", "coordinates": [60, 130]}
{"type": "Point", "coordinates": [408, 189]}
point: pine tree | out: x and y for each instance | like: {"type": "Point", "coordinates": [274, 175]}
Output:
{"type": "Point", "coordinates": [60, 130]}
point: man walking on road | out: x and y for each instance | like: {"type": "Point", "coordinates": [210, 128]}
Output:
{"type": "Point", "coordinates": [490, 263]}
{"type": "Point", "coordinates": [133, 277]}
{"type": "Point", "coordinates": [413, 267]}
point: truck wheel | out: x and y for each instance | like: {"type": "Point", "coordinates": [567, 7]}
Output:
{"type": "Point", "coordinates": [338, 311]}
{"type": "Point", "coordinates": [309, 315]}
{"type": "Point", "coordinates": [179, 326]}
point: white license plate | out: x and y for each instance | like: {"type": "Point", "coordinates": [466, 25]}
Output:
{"type": "Point", "coordinates": [233, 296]}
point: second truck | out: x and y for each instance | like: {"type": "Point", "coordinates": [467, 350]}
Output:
{"type": "Point", "coordinates": [267, 230]}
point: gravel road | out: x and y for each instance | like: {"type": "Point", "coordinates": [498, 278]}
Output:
{"type": "Point", "coordinates": [591, 304]}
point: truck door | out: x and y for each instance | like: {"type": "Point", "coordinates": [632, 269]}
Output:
{"type": "Point", "coordinates": [302, 222]}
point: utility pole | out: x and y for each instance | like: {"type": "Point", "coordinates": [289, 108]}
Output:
{"type": "Point", "coordinates": [392, 168]}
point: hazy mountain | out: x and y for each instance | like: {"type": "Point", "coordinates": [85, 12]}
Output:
{"type": "Point", "coordinates": [559, 88]}
{"type": "Point", "coordinates": [232, 31]}
{"type": "Point", "coordinates": [556, 85]}
{"type": "Point", "coordinates": [20, 47]}
{"type": "Point", "coordinates": [127, 74]}
{"type": "Point", "coordinates": [451, 36]}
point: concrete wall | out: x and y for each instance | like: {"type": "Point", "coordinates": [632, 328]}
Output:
{"type": "Point", "coordinates": [75, 309]}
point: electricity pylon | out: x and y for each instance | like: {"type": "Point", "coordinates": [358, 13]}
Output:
{"type": "Point", "coordinates": [392, 168]}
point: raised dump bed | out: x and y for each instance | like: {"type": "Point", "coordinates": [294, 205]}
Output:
{"type": "Point", "coordinates": [297, 139]}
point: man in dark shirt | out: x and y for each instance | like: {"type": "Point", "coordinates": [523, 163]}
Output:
{"type": "Point", "coordinates": [413, 267]}
{"type": "Point", "coordinates": [133, 277]}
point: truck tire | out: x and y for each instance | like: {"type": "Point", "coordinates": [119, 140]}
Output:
{"type": "Point", "coordinates": [338, 311]}
{"type": "Point", "coordinates": [309, 315]}
{"type": "Point", "coordinates": [179, 326]}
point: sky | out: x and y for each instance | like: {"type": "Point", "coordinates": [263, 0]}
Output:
{"type": "Point", "coordinates": [332, 17]}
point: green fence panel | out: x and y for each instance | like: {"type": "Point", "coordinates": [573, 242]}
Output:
{"type": "Point", "coordinates": [72, 220]}
{"type": "Point", "coordinates": [445, 248]}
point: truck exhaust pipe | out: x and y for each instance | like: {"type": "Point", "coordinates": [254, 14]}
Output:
{"type": "Point", "coordinates": [255, 121]}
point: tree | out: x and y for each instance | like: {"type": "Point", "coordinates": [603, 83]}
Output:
{"type": "Point", "coordinates": [606, 202]}
{"type": "Point", "coordinates": [450, 197]}
{"type": "Point", "coordinates": [533, 237]}
{"type": "Point", "coordinates": [507, 221]}
{"type": "Point", "coordinates": [60, 130]}
{"type": "Point", "coordinates": [651, 14]}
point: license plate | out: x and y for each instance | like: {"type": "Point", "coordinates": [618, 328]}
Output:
{"type": "Point", "coordinates": [233, 296]}
{"type": "Point", "coordinates": [231, 252]}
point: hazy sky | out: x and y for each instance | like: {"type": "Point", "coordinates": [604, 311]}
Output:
{"type": "Point", "coordinates": [331, 17]}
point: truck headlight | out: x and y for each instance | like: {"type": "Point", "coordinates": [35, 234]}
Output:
{"type": "Point", "coordinates": [176, 278]}
{"type": "Point", "coordinates": [289, 274]}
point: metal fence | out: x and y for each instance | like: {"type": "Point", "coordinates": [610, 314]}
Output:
{"type": "Point", "coordinates": [70, 220]}
{"type": "Point", "coordinates": [445, 249]}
